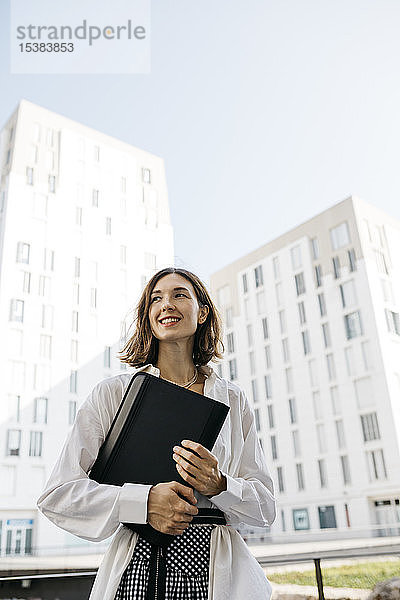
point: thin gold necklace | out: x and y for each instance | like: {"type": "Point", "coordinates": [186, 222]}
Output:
{"type": "Point", "coordinates": [188, 383]}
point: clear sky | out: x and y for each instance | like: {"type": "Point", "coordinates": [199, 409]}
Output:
{"type": "Point", "coordinates": [265, 113]}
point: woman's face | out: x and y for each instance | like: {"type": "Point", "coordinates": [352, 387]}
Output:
{"type": "Point", "coordinates": [173, 296]}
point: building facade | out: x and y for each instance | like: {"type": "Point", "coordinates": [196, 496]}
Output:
{"type": "Point", "coordinates": [84, 223]}
{"type": "Point", "coordinates": [312, 333]}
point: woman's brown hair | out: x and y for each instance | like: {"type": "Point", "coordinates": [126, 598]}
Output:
{"type": "Point", "coordinates": [142, 346]}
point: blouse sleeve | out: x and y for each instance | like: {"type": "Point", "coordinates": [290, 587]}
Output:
{"type": "Point", "coordinates": [248, 498]}
{"type": "Point", "coordinates": [78, 504]}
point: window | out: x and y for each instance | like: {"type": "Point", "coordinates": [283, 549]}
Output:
{"type": "Point", "coordinates": [48, 260]}
{"type": "Point", "coordinates": [265, 328]}
{"type": "Point", "coordinates": [244, 283]}
{"type": "Point", "coordinates": [250, 337]}
{"type": "Point", "coordinates": [260, 303]}
{"type": "Point", "coordinates": [348, 294]}
{"type": "Point", "coordinates": [370, 428]}
{"type": "Point", "coordinates": [123, 185]}
{"type": "Point", "coordinates": [268, 386]}
{"type": "Point", "coordinates": [252, 363]}
{"type": "Point", "coordinates": [96, 153]}
{"type": "Point", "coordinates": [317, 406]}
{"type": "Point", "coordinates": [75, 321]}
{"type": "Point", "coordinates": [306, 342]}
{"type": "Point", "coordinates": [93, 297]}
{"type": "Point", "coordinates": [275, 265]}
{"type": "Point", "coordinates": [376, 465]}
{"type": "Point", "coordinates": [341, 442]}
{"type": "Point", "coordinates": [366, 355]}
{"type": "Point", "coordinates": [285, 350]}
{"type": "Point", "coordinates": [230, 342]}
{"type": "Point", "coordinates": [281, 483]}
{"type": "Point", "coordinates": [321, 438]}
{"type": "Point", "coordinates": [75, 293]}
{"type": "Point", "coordinates": [73, 382]}
{"type": "Point", "coordinates": [13, 442]}
{"type": "Point", "coordinates": [289, 380]}
{"type": "Point", "coordinates": [326, 335]}
{"type": "Point", "coordinates": [258, 276]}
{"type": "Point", "coordinates": [335, 400]}
{"type": "Point", "coordinates": [296, 443]}
{"type": "Point", "coordinates": [351, 255]}
{"type": "Point", "coordinates": [322, 305]}
{"type": "Point", "coordinates": [292, 410]}
{"type": "Point", "coordinates": [392, 321]}
{"type": "Point", "coordinates": [107, 357]}
{"type": "Point", "coordinates": [270, 411]}
{"type": "Point", "coordinates": [268, 361]}
{"type": "Point", "coordinates": [282, 321]}
{"type": "Point", "coordinates": [29, 175]}
{"type": "Point", "coordinates": [50, 137]}
{"type": "Point", "coordinates": [74, 351]}
{"type": "Point", "coordinates": [17, 310]}
{"type": "Point", "coordinates": [146, 175]}
{"type": "Point", "coordinates": [330, 363]}
{"type": "Point", "coordinates": [350, 362]}
{"type": "Point", "coordinates": [52, 184]}
{"type": "Point", "coordinates": [302, 313]}
{"type": "Point", "coordinates": [71, 412]}
{"type": "Point", "coordinates": [314, 248]}
{"type": "Point", "coordinates": [300, 476]}
{"type": "Point", "coordinates": [14, 407]}
{"type": "Point", "coordinates": [95, 197]}
{"type": "Point", "coordinates": [381, 264]}
{"type": "Point", "coordinates": [254, 390]}
{"type": "Point", "coordinates": [108, 225]}
{"type": "Point", "coordinates": [122, 254]}
{"type": "Point", "coordinates": [340, 236]}
{"type": "Point", "coordinates": [300, 519]}
{"type": "Point", "coordinates": [323, 479]}
{"type": "Point", "coordinates": [336, 267]}
{"type": "Point", "coordinates": [150, 261]}
{"type": "Point", "coordinates": [35, 444]}
{"type": "Point", "coordinates": [23, 251]}
{"type": "Point", "coordinates": [318, 275]}
{"type": "Point", "coordinates": [274, 449]}
{"type": "Point", "coordinates": [353, 325]}
{"type": "Point", "coordinates": [278, 293]}
{"type": "Point", "coordinates": [44, 286]}
{"type": "Point", "coordinates": [344, 462]}
{"type": "Point", "coordinates": [229, 316]}
{"type": "Point", "coordinates": [300, 285]}
{"type": "Point", "coordinates": [232, 369]}
{"type": "Point", "coordinates": [45, 346]}
{"type": "Point", "coordinates": [387, 291]}
{"type": "Point", "coordinates": [257, 419]}
{"type": "Point", "coordinates": [327, 517]}
{"type": "Point", "coordinates": [77, 267]}
{"type": "Point", "coordinates": [295, 254]}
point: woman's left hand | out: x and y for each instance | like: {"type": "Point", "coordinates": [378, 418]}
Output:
{"type": "Point", "coordinates": [202, 472]}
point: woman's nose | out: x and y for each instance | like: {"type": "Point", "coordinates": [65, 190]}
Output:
{"type": "Point", "coordinates": [167, 303]}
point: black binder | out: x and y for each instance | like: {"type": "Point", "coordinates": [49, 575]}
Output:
{"type": "Point", "coordinates": [153, 417]}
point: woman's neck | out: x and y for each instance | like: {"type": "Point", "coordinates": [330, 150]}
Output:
{"type": "Point", "coordinates": [175, 366]}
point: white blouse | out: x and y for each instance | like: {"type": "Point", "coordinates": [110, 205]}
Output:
{"type": "Point", "coordinates": [95, 511]}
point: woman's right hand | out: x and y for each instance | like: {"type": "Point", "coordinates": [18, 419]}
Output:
{"type": "Point", "coordinates": [166, 511]}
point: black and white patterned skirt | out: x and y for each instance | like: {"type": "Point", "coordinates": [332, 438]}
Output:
{"type": "Point", "coordinates": [187, 567]}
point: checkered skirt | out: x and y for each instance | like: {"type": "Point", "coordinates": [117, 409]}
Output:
{"type": "Point", "coordinates": [187, 561]}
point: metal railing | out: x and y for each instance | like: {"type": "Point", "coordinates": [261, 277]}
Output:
{"type": "Point", "coordinates": [264, 562]}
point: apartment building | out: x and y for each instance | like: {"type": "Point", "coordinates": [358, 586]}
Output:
{"type": "Point", "coordinates": [84, 223]}
{"type": "Point", "coordinates": [312, 333]}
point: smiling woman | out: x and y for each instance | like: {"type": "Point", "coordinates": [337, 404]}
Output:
{"type": "Point", "coordinates": [178, 331]}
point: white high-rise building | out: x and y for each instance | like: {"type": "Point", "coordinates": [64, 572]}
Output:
{"type": "Point", "coordinates": [84, 223]}
{"type": "Point", "coordinates": [312, 333]}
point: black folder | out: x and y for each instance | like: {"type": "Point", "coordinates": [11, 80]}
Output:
{"type": "Point", "coordinates": [153, 417]}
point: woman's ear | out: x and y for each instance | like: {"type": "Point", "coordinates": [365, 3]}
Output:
{"type": "Point", "coordinates": [204, 313]}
